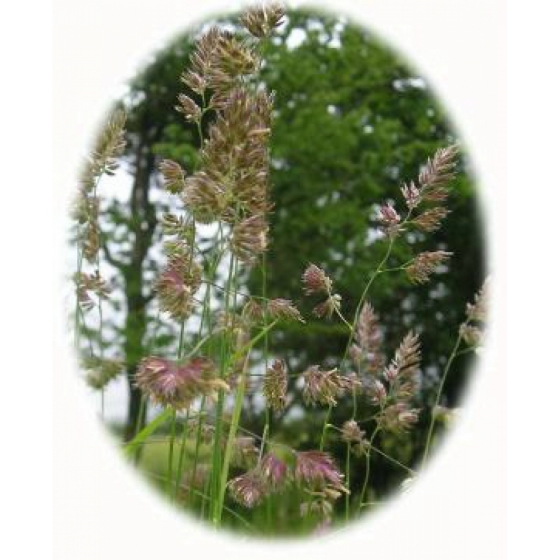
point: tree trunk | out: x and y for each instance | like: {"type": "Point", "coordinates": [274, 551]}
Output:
{"type": "Point", "coordinates": [143, 222]}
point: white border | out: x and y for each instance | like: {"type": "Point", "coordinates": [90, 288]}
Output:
{"type": "Point", "coordinates": [457, 509]}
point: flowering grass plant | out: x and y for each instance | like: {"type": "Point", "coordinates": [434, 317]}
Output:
{"type": "Point", "coordinates": [216, 467]}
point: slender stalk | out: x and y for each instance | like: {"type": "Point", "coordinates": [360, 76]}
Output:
{"type": "Point", "coordinates": [182, 455]}
{"type": "Point", "coordinates": [352, 327]}
{"type": "Point", "coordinates": [234, 424]}
{"type": "Point", "coordinates": [100, 341]}
{"type": "Point", "coordinates": [174, 422]}
{"type": "Point", "coordinates": [393, 460]}
{"type": "Point", "coordinates": [347, 497]}
{"type": "Point", "coordinates": [205, 317]}
{"type": "Point", "coordinates": [198, 440]}
{"type": "Point", "coordinates": [216, 453]}
{"type": "Point", "coordinates": [267, 411]}
{"type": "Point", "coordinates": [147, 431]}
{"type": "Point", "coordinates": [366, 478]}
{"type": "Point", "coordinates": [452, 357]}
{"type": "Point", "coordinates": [325, 427]}
{"type": "Point", "coordinates": [205, 497]}
{"type": "Point", "coordinates": [236, 415]}
{"type": "Point", "coordinates": [143, 404]}
{"type": "Point", "coordinates": [170, 454]}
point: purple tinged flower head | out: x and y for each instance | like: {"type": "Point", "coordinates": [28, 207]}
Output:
{"type": "Point", "coordinates": [177, 384]}
{"type": "Point", "coordinates": [247, 489]}
{"type": "Point", "coordinates": [437, 173]}
{"type": "Point", "coordinates": [390, 219]}
{"type": "Point", "coordinates": [411, 195]}
{"type": "Point", "coordinates": [177, 284]}
{"type": "Point", "coordinates": [328, 307]}
{"type": "Point", "coordinates": [317, 469]}
{"type": "Point", "coordinates": [379, 392]}
{"type": "Point", "coordinates": [315, 281]}
{"type": "Point", "coordinates": [325, 387]}
{"type": "Point", "coordinates": [425, 264]}
{"type": "Point", "coordinates": [273, 470]}
{"type": "Point", "coordinates": [284, 309]}
{"type": "Point", "coordinates": [388, 215]}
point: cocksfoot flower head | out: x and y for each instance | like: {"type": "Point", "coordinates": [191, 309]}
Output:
{"type": "Point", "coordinates": [317, 469]}
{"type": "Point", "coordinates": [177, 384]}
{"type": "Point", "coordinates": [315, 281]}
{"type": "Point", "coordinates": [275, 385]}
{"type": "Point", "coordinates": [325, 387]}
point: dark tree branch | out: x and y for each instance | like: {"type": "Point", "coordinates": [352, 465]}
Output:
{"type": "Point", "coordinates": [120, 265]}
{"type": "Point", "coordinates": [146, 299]}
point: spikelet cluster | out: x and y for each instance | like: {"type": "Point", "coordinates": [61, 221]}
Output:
{"type": "Point", "coordinates": [432, 188]}
{"type": "Point", "coordinates": [429, 191]}
{"type": "Point", "coordinates": [390, 219]}
{"type": "Point", "coordinates": [248, 489]}
{"type": "Point", "coordinates": [173, 176]}
{"type": "Point", "coordinates": [316, 281]}
{"type": "Point", "coordinates": [354, 436]}
{"type": "Point", "coordinates": [433, 179]}
{"type": "Point", "coordinates": [274, 471]}
{"type": "Point", "coordinates": [278, 309]}
{"type": "Point", "coordinates": [101, 371]}
{"type": "Point", "coordinates": [275, 385]}
{"type": "Point", "coordinates": [249, 238]}
{"type": "Point", "coordinates": [314, 471]}
{"type": "Point", "coordinates": [244, 452]}
{"type": "Point", "coordinates": [218, 63]}
{"type": "Point", "coordinates": [109, 145]}
{"type": "Point", "coordinates": [317, 469]}
{"type": "Point", "coordinates": [177, 384]}
{"type": "Point", "coordinates": [425, 264]}
{"type": "Point", "coordinates": [478, 310]}
{"type": "Point", "coordinates": [395, 397]}
{"type": "Point", "coordinates": [317, 472]}
{"type": "Point", "coordinates": [261, 21]}
{"type": "Point", "coordinates": [325, 386]}
{"type": "Point", "coordinates": [365, 352]}
{"type": "Point", "coordinates": [269, 476]}
{"type": "Point", "coordinates": [436, 174]}
{"type": "Point", "coordinates": [283, 309]}
{"type": "Point", "coordinates": [87, 285]}
{"type": "Point", "coordinates": [177, 285]}
{"type": "Point", "coordinates": [232, 182]}
{"type": "Point", "coordinates": [472, 329]}
{"type": "Point", "coordinates": [103, 160]}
